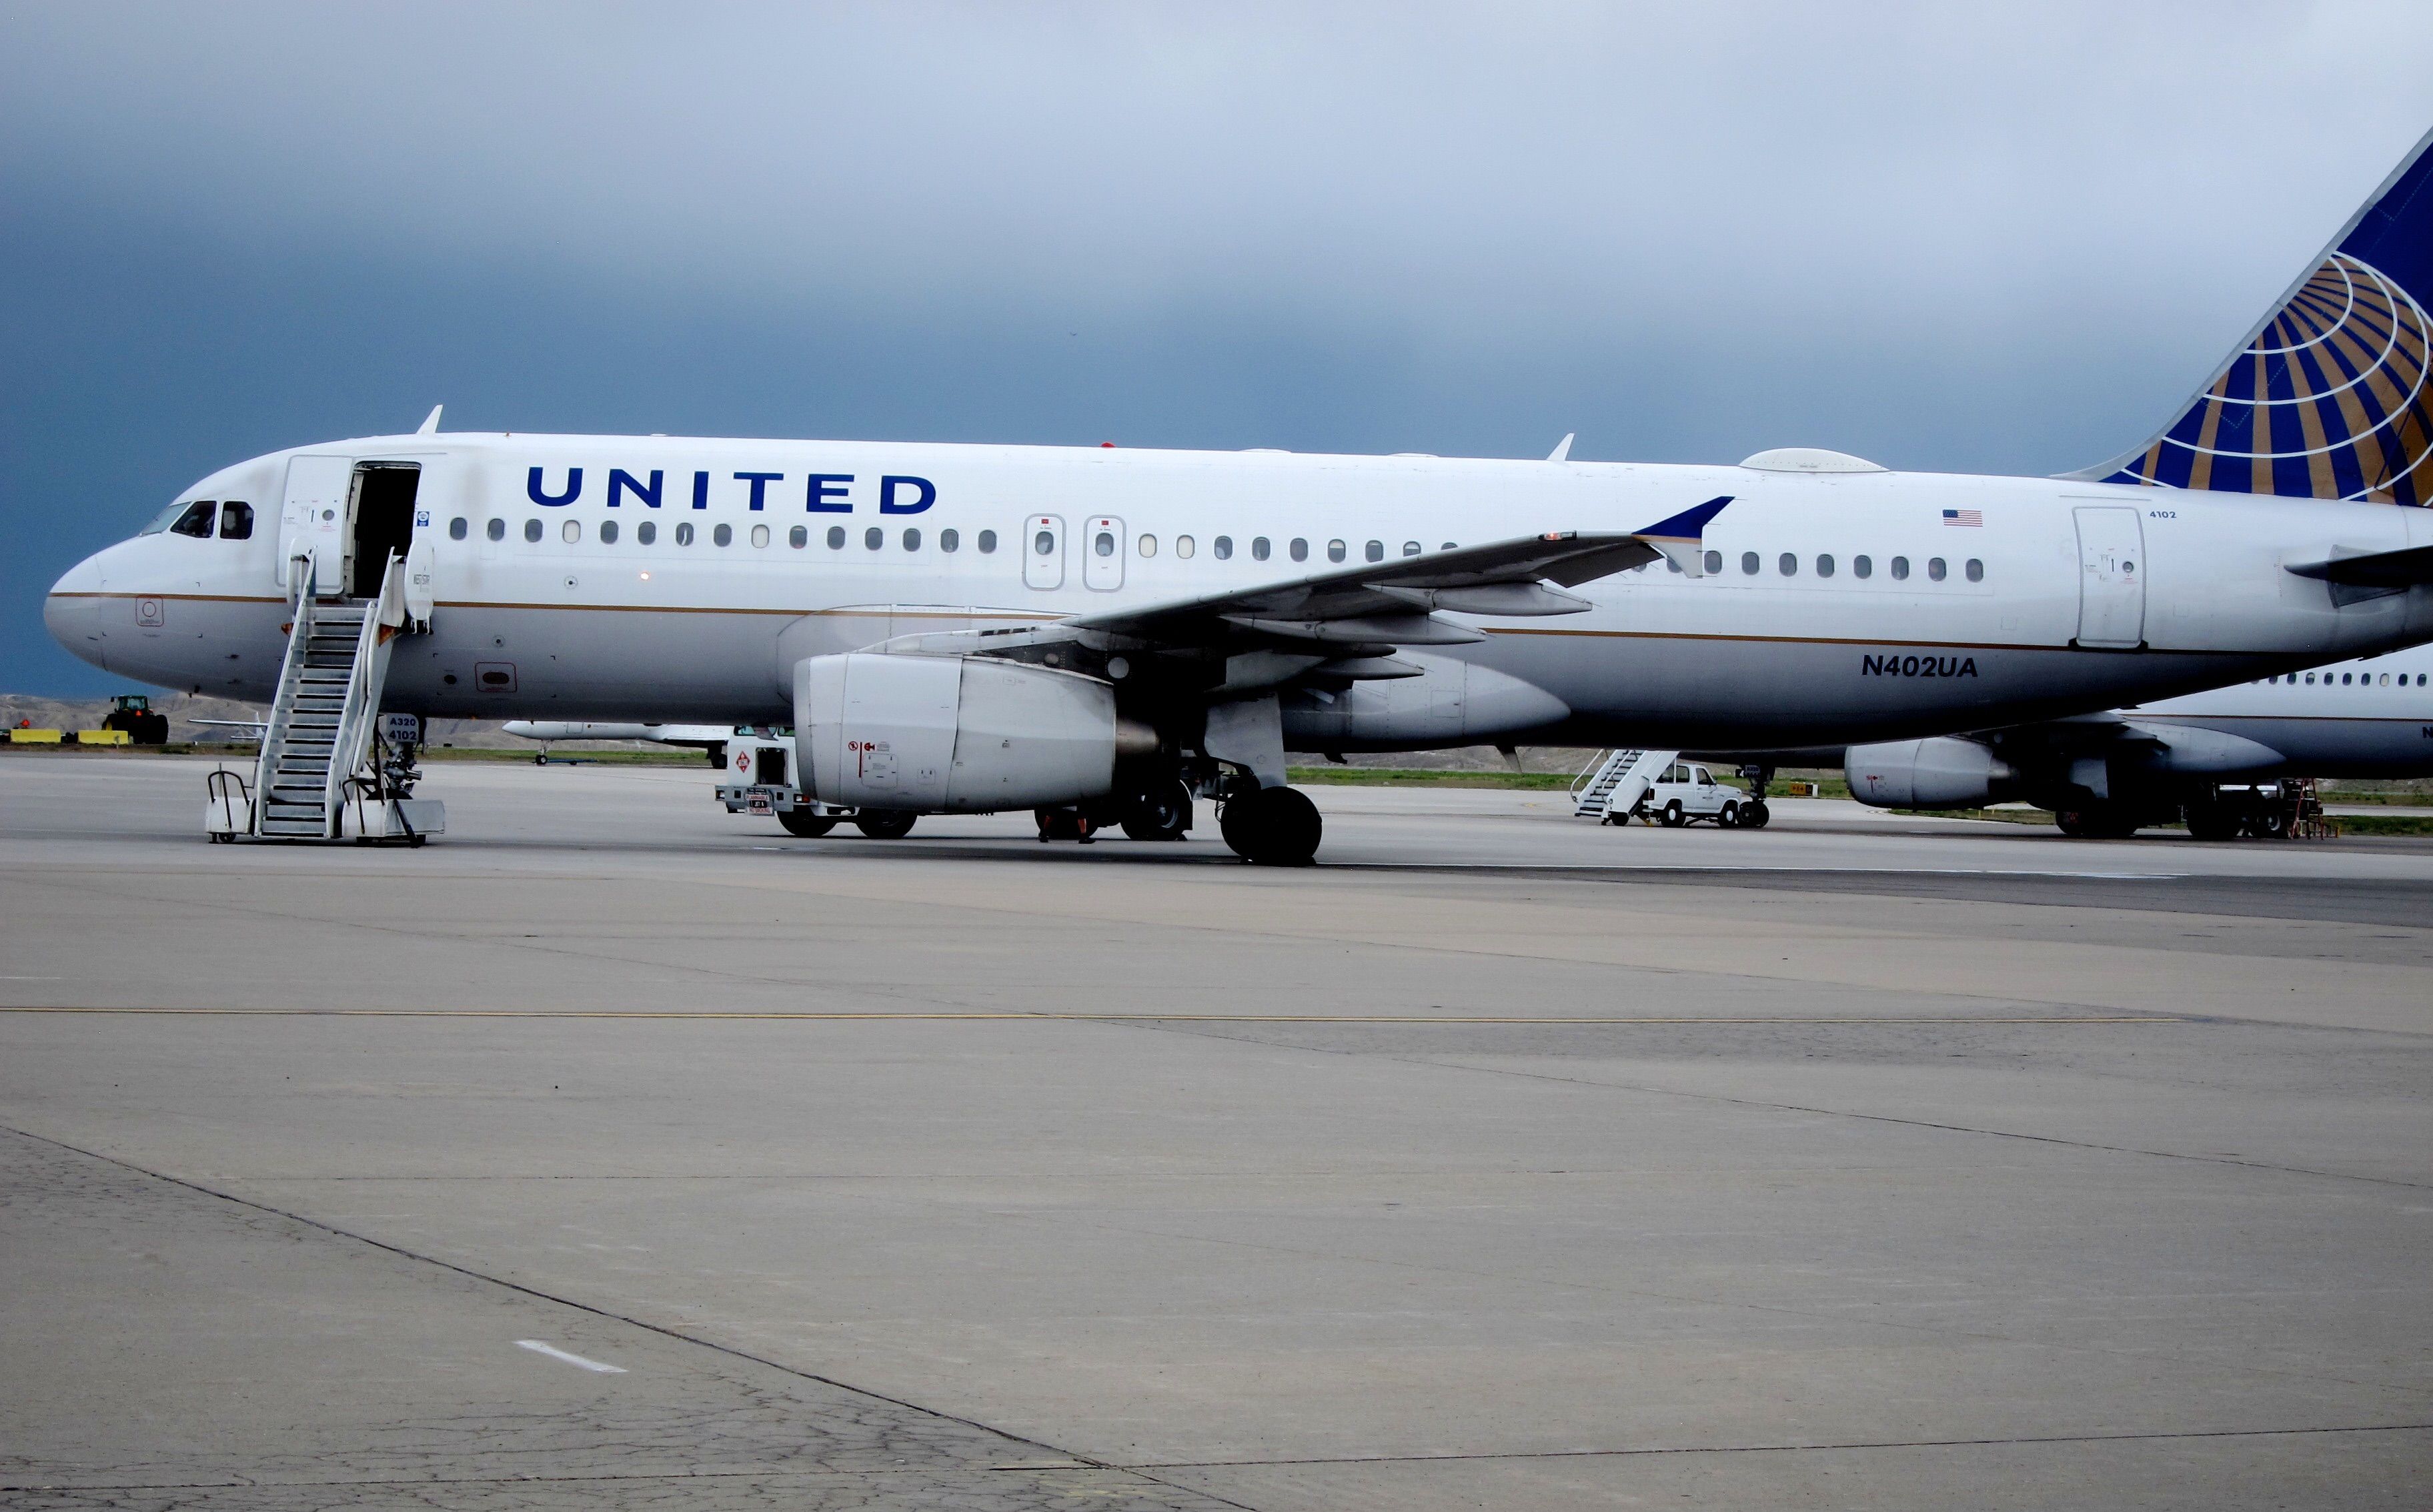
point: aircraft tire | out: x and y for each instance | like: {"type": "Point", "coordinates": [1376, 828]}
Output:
{"type": "Point", "coordinates": [1272, 827]}
{"type": "Point", "coordinates": [717, 755]}
{"type": "Point", "coordinates": [2096, 822]}
{"type": "Point", "coordinates": [1160, 810]}
{"type": "Point", "coordinates": [806, 824]}
{"type": "Point", "coordinates": [1755, 815]}
{"type": "Point", "coordinates": [884, 823]}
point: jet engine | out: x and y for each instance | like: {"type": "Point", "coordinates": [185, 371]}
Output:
{"type": "Point", "coordinates": [956, 734]}
{"type": "Point", "coordinates": [1943, 772]}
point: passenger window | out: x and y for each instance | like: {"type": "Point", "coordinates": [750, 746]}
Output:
{"type": "Point", "coordinates": [531, 530]}
{"type": "Point", "coordinates": [2344, 679]}
{"type": "Point", "coordinates": [1376, 551]}
{"type": "Point", "coordinates": [872, 538]}
{"type": "Point", "coordinates": [1185, 547]}
{"type": "Point", "coordinates": [197, 520]}
{"type": "Point", "coordinates": [2311, 679]}
{"type": "Point", "coordinates": [723, 535]}
{"type": "Point", "coordinates": [1410, 548]}
{"type": "Point", "coordinates": [1863, 567]}
{"type": "Point", "coordinates": [457, 529]}
{"type": "Point", "coordinates": [1148, 546]}
{"type": "Point", "coordinates": [836, 537]}
{"type": "Point", "coordinates": [1043, 544]}
{"type": "Point", "coordinates": [911, 539]}
{"type": "Point", "coordinates": [1105, 544]}
{"type": "Point", "coordinates": [236, 523]}
{"type": "Point", "coordinates": [1299, 549]}
{"type": "Point", "coordinates": [1934, 569]}
{"type": "Point", "coordinates": [1748, 563]}
{"type": "Point", "coordinates": [1824, 567]}
{"type": "Point", "coordinates": [799, 536]}
{"type": "Point", "coordinates": [988, 541]}
{"type": "Point", "coordinates": [1900, 569]}
{"type": "Point", "coordinates": [2386, 679]}
{"type": "Point", "coordinates": [1223, 547]}
{"type": "Point", "coordinates": [948, 539]}
{"type": "Point", "coordinates": [496, 530]}
{"type": "Point", "coordinates": [1787, 565]}
{"type": "Point", "coordinates": [647, 533]}
{"type": "Point", "coordinates": [1975, 570]}
{"type": "Point", "coordinates": [1334, 550]}
{"type": "Point", "coordinates": [760, 536]}
{"type": "Point", "coordinates": [571, 531]}
{"type": "Point", "coordinates": [1715, 563]}
{"type": "Point", "coordinates": [1258, 548]}
{"type": "Point", "coordinates": [608, 532]}
{"type": "Point", "coordinates": [684, 532]}
{"type": "Point", "coordinates": [1446, 547]}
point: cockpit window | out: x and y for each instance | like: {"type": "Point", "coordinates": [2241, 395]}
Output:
{"type": "Point", "coordinates": [197, 520]}
{"type": "Point", "coordinates": [236, 521]}
{"type": "Point", "coordinates": [161, 522]}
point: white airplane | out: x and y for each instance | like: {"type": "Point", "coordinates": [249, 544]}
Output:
{"type": "Point", "coordinates": [2194, 757]}
{"type": "Point", "coordinates": [709, 737]}
{"type": "Point", "coordinates": [979, 628]}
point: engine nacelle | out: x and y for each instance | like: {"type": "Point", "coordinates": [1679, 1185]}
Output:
{"type": "Point", "coordinates": [954, 733]}
{"type": "Point", "coordinates": [1943, 772]}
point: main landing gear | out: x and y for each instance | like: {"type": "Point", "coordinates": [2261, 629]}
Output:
{"type": "Point", "coordinates": [1271, 827]}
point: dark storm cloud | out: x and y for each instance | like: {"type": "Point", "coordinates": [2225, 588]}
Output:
{"type": "Point", "coordinates": [1944, 236]}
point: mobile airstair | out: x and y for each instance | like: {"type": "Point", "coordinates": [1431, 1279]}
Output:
{"type": "Point", "coordinates": [324, 774]}
{"type": "Point", "coordinates": [1611, 788]}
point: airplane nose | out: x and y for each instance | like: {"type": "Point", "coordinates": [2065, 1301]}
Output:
{"type": "Point", "coordinates": [71, 611]}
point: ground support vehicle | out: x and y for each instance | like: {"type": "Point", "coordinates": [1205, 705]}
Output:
{"type": "Point", "coordinates": [1689, 792]}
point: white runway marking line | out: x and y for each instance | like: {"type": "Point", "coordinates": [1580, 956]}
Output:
{"type": "Point", "coordinates": [556, 1353]}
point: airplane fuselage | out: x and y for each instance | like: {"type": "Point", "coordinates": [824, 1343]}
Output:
{"type": "Point", "coordinates": [1836, 607]}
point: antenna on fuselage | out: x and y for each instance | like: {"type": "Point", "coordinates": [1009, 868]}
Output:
{"type": "Point", "coordinates": [1562, 452]}
{"type": "Point", "coordinates": [429, 425]}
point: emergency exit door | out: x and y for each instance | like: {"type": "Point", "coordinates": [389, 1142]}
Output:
{"type": "Point", "coordinates": [1043, 552]}
{"type": "Point", "coordinates": [2111, 577]}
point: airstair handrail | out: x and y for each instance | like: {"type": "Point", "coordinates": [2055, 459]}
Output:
{"type": "Point", "coordinates": [361, 710]}
{"type": "Point", "coordinates": [291, 672]}
{"type": "Point", "coordinates": [1588, 774]}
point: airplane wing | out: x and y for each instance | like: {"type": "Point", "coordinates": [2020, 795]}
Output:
{"type": "Point", "coordinates": [1363, 610]}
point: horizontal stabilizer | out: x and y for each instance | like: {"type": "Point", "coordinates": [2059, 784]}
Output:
{"type": "Point", "coordinates": [2377, 569]}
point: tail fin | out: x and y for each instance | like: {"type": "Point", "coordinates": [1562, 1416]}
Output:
{"type": "Point", "coordinates": [2329, 396]}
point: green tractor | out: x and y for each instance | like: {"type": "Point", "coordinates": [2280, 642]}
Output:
{"type": "Point", "coordinates": [132, 712]}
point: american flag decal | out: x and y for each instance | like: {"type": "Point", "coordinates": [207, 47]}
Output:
{"type": "Point", "coordinates": [1965, 516]}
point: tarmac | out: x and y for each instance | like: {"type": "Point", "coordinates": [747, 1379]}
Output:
{"type": "Point", "coordinates": [613, 1152]}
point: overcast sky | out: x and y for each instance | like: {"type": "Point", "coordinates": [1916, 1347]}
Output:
{"type": "Point", "coordinates": [1964, 237]}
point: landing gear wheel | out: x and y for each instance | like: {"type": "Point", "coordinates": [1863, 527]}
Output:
{"type": "Point", "coordinates": [1673, 817]}
{"type": "Point", "coordinates": [540, 758]}
{"type": "Point", "coordinates": [1160, 810]}
{"type": "Point", "coordinates": [2211, 820]}
{"type": "Point", "coordinates": [803, 823]}
{"type": "Point", "coordinates": [884, 823]}
{"type": "Point", "coordinates": [1063, 824]}
{"type": "Point", "coordinates": [1731, 817]}
{"type": "Point", "coordinates": [2271, 822]}
{"type": "Point", "coordinates": [2096, 822]}
{"type": "Point", "coordinates": [1272, 827]}
{"type": "Point", "coordinates": [1754, 814]}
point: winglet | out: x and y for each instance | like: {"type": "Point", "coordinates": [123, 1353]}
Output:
{"type": "Point", "coordinates": [431, 423]}
{"type": "Point", "coordinates": [1562, 452]}
{"type": "Point", "coordinates": [1679, 537]}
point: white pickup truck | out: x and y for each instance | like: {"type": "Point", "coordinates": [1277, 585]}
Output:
{"type": "Point", "coordinates": [1688, 791]}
